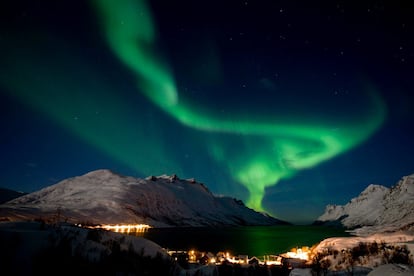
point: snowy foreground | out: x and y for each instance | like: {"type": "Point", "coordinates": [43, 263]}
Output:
{"type": "Point", "coordinates": [35, 248]}
{"type": "Point", "coordinates": [369, 252]}
{"type": "Point", "coordinates": [378, 254]}
{"type": "Point", "coordinates": [383, 270]}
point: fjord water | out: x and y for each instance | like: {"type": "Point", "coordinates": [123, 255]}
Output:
{"type": "Point", "coordinates": [248, 240]}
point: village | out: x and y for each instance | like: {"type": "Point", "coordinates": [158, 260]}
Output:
{"type": "Point", "coordinates": [296, 257]}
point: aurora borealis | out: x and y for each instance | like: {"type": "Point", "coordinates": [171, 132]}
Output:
{"type": "Point", "coordinates": [130, 34]}
{"type": "Point", "coordinates": [255, 105]}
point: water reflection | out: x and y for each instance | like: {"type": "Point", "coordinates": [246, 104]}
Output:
{"type": "Point", "coordinates": [252, 240]}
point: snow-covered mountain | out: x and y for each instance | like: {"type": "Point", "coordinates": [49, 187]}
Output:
{"type": "Point", "coordinates": [377, 206]}
{"type": "Point", "coordinates": [104, 197]}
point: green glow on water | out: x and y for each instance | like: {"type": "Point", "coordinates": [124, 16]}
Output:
{"type": "Point", "coordinates": [252, 240]}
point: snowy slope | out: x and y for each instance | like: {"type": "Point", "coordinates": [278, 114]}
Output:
{"type": "Point", "coordinates": [344, 254]}
{"type": "Point", "coordinates": [392, 270]}
{"type": "Point", "coordinates": [108, 198]}
{"type": "Point", "coordinates": [377, 206]}
{"type": "Point", "coordinates": [29, 249]}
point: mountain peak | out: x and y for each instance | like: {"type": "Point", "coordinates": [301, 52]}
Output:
{"type": "Point", "coordinates": [374, 188]}
{"type": "Point", "coordinates": [406, 184]}
{"type": "Point", "coordinates": [102, 173]}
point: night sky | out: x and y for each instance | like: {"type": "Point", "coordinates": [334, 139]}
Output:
{"type": "Point", "coordinates": [288, 105]}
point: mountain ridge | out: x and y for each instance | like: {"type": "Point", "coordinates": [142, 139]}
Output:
{"type": "Point", "coordinates": [377, 206]}
{"type": "Point", "coordinates": [106, 197]}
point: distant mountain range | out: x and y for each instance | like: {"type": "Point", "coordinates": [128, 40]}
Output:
{"type": "Point", "coordinates": [378, 207]}
{"type": "Point", "coordinates": [7, 195]}
{"type": "Point", "coordinates": [104, 197]}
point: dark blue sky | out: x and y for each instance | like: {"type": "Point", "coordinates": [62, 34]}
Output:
{"type": "Point", "coordinates": [69, 105]}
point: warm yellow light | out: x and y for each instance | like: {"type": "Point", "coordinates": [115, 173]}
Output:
{"type": "Point", "coordinates": [300, 253]}
{"type": "Point", "coordinates": [124, 228]}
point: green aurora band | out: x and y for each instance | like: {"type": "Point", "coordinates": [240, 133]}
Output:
{"type": "Point", "coordinates": [285, 149]}
{"type": "Point", "coordinates": [256, 150]}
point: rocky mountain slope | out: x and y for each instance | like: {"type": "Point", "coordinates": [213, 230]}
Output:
{"type": "Point", "coordinates": [383, 208]}
{"type": "Point", "coordinates": [104, 197]}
